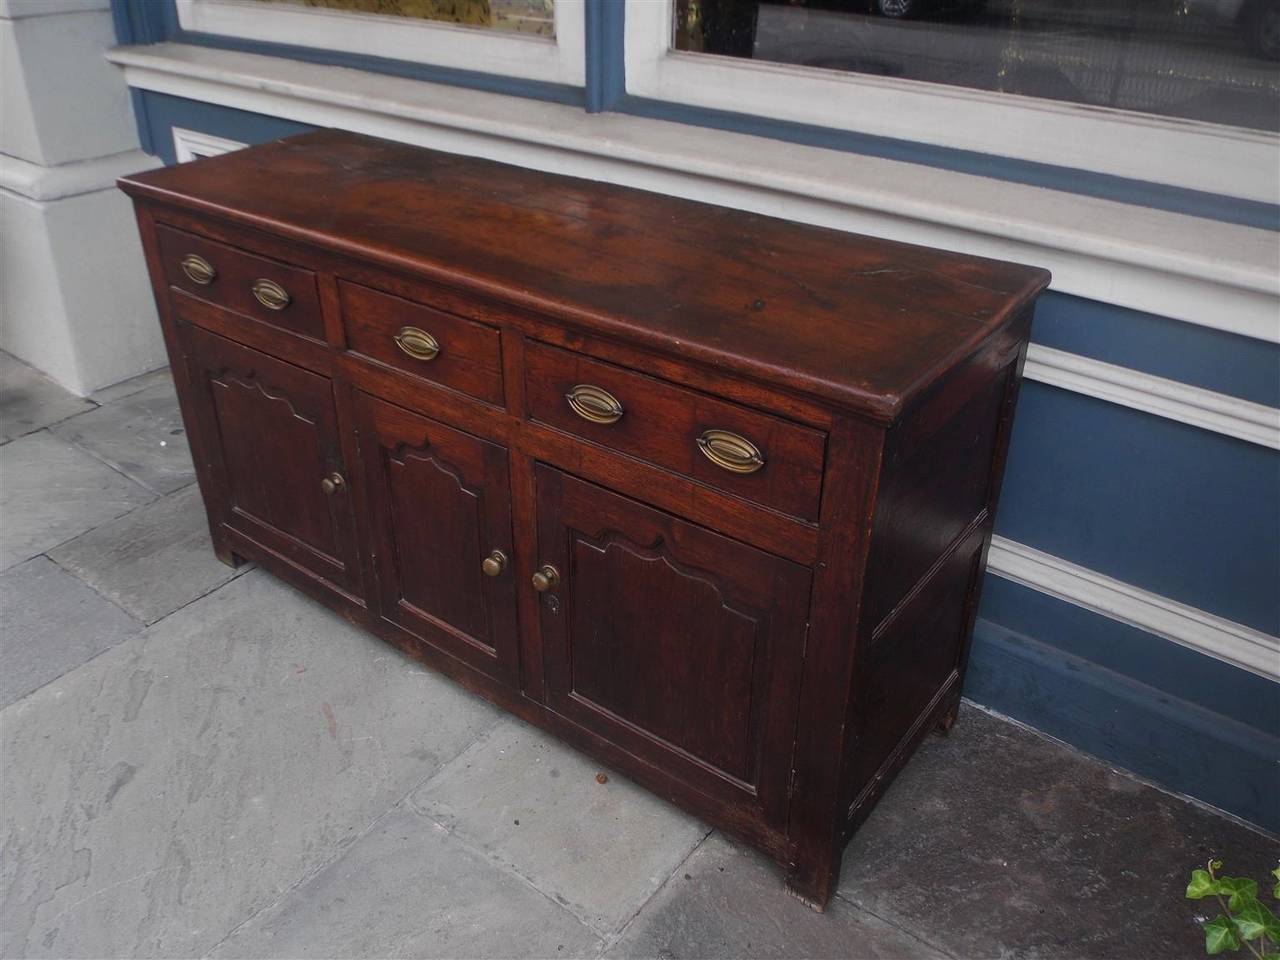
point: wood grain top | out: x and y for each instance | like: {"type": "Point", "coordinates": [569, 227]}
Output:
{"type": "Point", "coordinates": [856, 321]}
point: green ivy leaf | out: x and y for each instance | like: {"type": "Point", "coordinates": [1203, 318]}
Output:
{"type": "Point", "coordinates": [1275, 891]}
{"type": "Point", "coordinates": [1201, 885]}
{"type": "Point", "coordinates": [1241, 890]}
{"type": "Point", "coordinates": [1252, 921]}
{"type": "Point", "coordinates": [1220, 935]}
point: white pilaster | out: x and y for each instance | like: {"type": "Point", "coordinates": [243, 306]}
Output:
{"type": "Point", "coordinates": [74, 301]}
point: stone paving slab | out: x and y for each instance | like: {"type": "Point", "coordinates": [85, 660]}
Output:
{"type": "Point", "coordinates": [141, 435]}
{"type": "Point", "coordinates": [534, 805]}
{"type": "Point", "coordinates": [409, 889]}
{"type": "Point", "coordinates": [727, 902]}
{"type": "Point", "coordinates": [50, 623]}
{"type": "Point", "coordinates": [185, 779]}
{"type": "Point", "coordinates": [152, 561]}
{"type": "Point", "coordinates": [1003, 843]}
{"type": "Point", "coordinates": [30, 401]}
{"type": "Point", "coordinates": [51, 491]}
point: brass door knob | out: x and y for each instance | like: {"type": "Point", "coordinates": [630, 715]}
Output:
{"type": "Point", "coordinates": [494, 563]}
{"type": "Point", "coordinates": [332, 483]}
{"type": "Point", "coordinates": [546, 578]}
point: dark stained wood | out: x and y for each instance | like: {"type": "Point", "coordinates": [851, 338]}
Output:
{"type": "Point", "coordinates": [762, 297]}
{"type": "Point", "coordinates": [765, 649]}
{"type": "Point", "coordinates": [235, 274]}
{"type": "Point", "coordinates": [273, 434]}
{"type": "Point", "coordinates": [439, 502]}
{"type": "Point", "coordinates": [661, 422]}
{"type": "Point", "coordinates": [672, 640]}
{"type": "Point", "coordinates": [470, 357]}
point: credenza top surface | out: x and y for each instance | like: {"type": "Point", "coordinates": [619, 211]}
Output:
{"type": "Point", "coordinates": [860, 322]}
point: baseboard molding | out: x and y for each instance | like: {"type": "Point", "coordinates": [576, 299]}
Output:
{"type": "Point", "coordinates": [1179, 745]}
{"type": "Point", "coordinates": [1196, 406]}
{"type": "Point", "coordinates": [1215, 636]}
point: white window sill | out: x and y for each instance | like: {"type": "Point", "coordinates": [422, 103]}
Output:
{"type": "Point", "coordinates": [1204, 272]}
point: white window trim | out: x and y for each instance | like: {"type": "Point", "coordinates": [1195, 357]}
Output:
{"type": "Point", "coordinates": [191, 145]}
{"type": "Point", "coordinates": [561, 60]}
{"type": "Point", "coordinates": [1198, 156]}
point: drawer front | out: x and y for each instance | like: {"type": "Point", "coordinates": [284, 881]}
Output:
{"type": "Point", "coordinates": [744, 452]}
{"type": "Point", "coordinates": [276, 293]}
{"type": "Point", "coordinates": [460, 354]}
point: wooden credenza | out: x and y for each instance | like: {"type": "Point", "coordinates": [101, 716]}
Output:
{"type": "Point", "coordinates": [707, 494]}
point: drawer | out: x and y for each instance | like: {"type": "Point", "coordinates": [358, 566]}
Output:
{"type": "Point", "coordinates": [276, 293]}
{"type": "Point", "coordinates": [779, 465]}
{"type": "Point", "coordinates": [460, 354]}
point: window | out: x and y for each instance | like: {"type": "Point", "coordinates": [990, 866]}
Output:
{"type": "Point", "coordinates": [1176, 92]}
{"type": "Point", "coordinates": [527, 39]}
{"type": "Point", "coordinates": [535, 17]}
{"type": "Point", "coordinates": [1210, 60]}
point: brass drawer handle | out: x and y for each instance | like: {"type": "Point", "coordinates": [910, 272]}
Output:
{"type": "Point", "coordinates": [494, 563]}
{"type": "Point", "coordinates": [271, 295]}
{"type": "Point", "coordinates": [198, 269]}
{"type": "Point", "coordinates": [546, 578]}
{"type": "Point", "coordinates": [731, 451]}
{"type": "Point", "coordinates": [417, 343]}
{"type": "Point", "coordinates": [592, 403]}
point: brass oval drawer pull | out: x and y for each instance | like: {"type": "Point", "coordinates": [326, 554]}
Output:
{"type": "Point", "coordinates": [592, 403]}
{"type": "Point", "coordinates": [731, 451]}
{"type": "Point", "coordinates": [198, 269]}
{"type": "Point", "coordinates": [332, 483]}
{"type": "Point", "coordinates": [271, 295]}
{"type": "Point", "coordinates": [417, 343]}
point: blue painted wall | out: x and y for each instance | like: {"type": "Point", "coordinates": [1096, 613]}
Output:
{"type": "Point", "coordinates": [1182, 512]}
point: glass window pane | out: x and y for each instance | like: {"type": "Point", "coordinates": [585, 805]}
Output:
{"type": "Point", "coordinates": [1213, 60]}
{"type": "Point", "coordinates": [536, 17]}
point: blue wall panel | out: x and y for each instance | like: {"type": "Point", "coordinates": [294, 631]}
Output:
{"type": "Point", "coordinates": [1235, 365]}
{"type": "Point", "coordinates": [1171, 508]}
{"type": "Point", "coordinates": [1177, 743]}
{"type": "Point", "coordinates": [164, 112]}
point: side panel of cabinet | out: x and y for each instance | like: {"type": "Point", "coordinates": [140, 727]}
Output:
{"type": "Point", "coordinates": [682, 646]}
{"type": "Point", "coordinates": [440, 505]}
{"type": "Point", "coordinates": [272, 435]}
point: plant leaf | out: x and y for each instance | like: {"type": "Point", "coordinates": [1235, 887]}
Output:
{"type": "Point", "coordinates": [1252, 921]}
{"type": "Point", "coordinates": [1242, 891]}
{"type": "Point", "coordinates": [1220, 935]}
{"type": "Point", "coordinates": [1275, 891]}
{"type": "Point", "coordinates": [1201, 885]}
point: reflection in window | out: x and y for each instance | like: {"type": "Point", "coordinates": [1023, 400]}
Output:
{"type": "Point", "coordinates": [536, 17]}
{"type": "Point", "coordinates": [1213, 60]}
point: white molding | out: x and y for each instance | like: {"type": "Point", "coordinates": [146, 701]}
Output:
{"type": "Point", "coordinates": [191, 145]}
{"type": "Point", "coordinates": [45, 184]}
{"type": "Point", "coordinates": [1203, 272]}
{"type": "Point", "coordinates": [1254, 422]}
{"type": "Point", "coordinates": [1223, 639]}
{"type": "Point", "coordinates": [559, 60]}
{"type": "Point", "coordinates": [1184, 153]}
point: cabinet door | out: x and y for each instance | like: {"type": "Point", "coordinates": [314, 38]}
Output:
{"type": "Point", "coordinates": [271, 434]}
{"type": "Point", "coordinates": [682, 646]}
{"type": "Point", "coordinates": [440, 506]}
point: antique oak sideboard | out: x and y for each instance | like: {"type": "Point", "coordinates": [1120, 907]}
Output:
{"type": "Point", "coordinates": [707, 494]}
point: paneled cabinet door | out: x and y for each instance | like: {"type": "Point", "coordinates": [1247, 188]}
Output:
{"type": "Point", "coordinates": [440, 506]}
{"type": "Point", "coordinates": [274, 454]}
{"type": "Point", "coordinates": [679, 644]}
